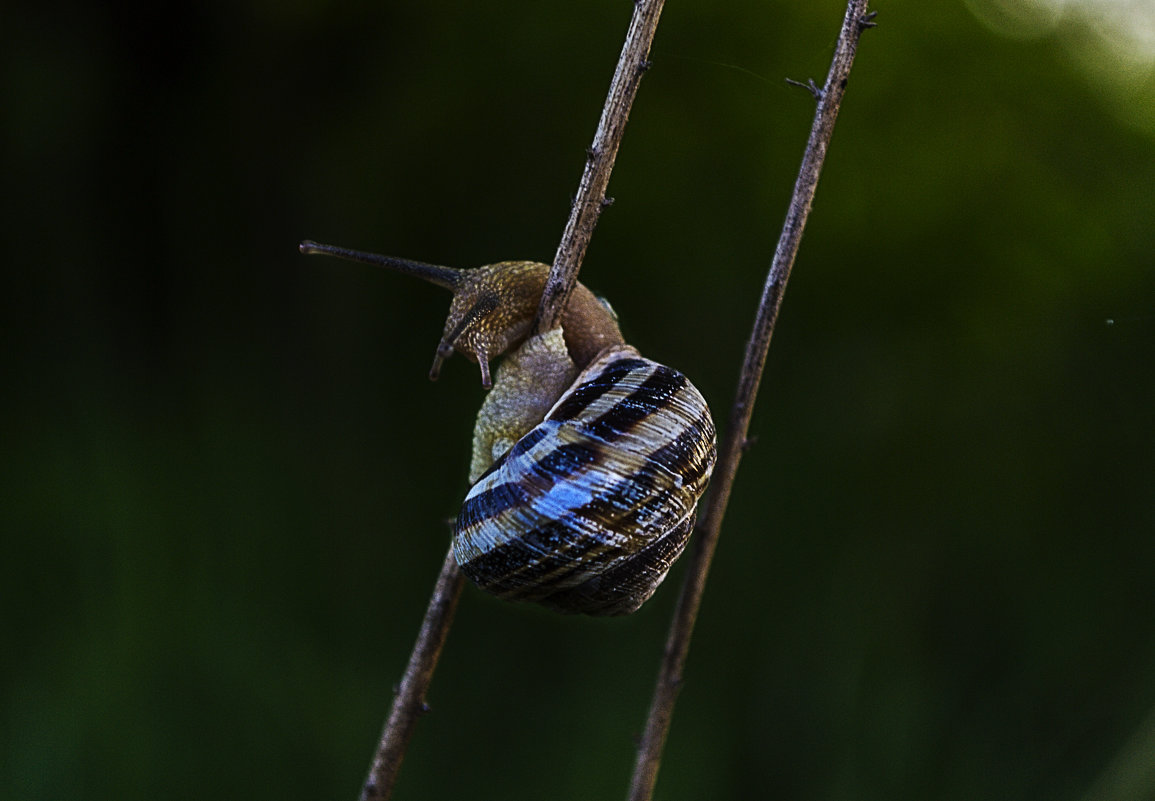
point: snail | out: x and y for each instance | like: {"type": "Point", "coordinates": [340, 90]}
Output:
{"type": "Point", "coordinates": [588, 458]}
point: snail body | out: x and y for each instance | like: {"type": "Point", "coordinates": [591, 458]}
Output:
{"type": "Point", "coordinates": [588, 459]}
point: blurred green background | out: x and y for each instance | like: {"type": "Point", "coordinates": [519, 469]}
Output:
{"type": "Point", "coordinates": [225, 474]}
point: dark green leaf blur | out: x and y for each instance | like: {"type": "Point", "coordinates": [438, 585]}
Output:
{"type": "Point", "coordinates": [225, 477]}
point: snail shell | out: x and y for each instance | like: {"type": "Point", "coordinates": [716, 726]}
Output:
{"type": "Point", "coordinates": [587, 511]}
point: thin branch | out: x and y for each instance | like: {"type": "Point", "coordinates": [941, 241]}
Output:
{"type": "Point", "coordinates": [678, 643]}
{"type": "Point", "coordinates": [591, 196]}
{"type": "Point", "coordinates": [409, 702]}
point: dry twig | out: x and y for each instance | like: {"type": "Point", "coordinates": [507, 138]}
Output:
{"type": "Point", "coordinates": [409, 701]}
{"type": "Point", "coordinates": [591, 196]}
{"type": "Point", "coordinates": [678, 643]}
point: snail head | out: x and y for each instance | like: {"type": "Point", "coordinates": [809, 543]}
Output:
{"type": "Point", "coordinates": [492, 310]}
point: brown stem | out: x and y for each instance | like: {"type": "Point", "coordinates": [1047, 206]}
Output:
{"type": "Point", "coordinates": [678, 643]}
{"type": "Point", "coordinates": [409, 703]}
{"type": "Point", "coordinates": [591, 195]}
{"type": "Point", "coordinates": [409, 700]}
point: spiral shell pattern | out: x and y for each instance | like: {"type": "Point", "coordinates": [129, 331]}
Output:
{"type": "Point", "coordinates": [587, 511]}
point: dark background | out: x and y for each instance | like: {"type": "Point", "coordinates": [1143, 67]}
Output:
{"type": "Point", "coordinates": [225, 475]}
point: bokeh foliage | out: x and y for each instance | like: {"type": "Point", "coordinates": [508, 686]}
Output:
{"type": "Point", "coordinates": [225, 477]}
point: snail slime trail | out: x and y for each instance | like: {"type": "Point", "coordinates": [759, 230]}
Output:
{"type": "Point", "coordinates": [588, 458]}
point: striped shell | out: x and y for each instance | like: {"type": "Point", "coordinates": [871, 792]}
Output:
{"type": "Point", "coordinates": [587, 511]}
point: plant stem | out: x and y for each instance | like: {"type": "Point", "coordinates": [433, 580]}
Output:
{"type": "Point", "coordinates": [409, 702]}
{"type": "Point", "coordinates": [678, 642]}
{"type": "Point", "coordinates": [591, 195]}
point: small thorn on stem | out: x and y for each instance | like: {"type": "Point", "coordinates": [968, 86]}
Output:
{"type": "Point", "coordinates": [749, 443]}
{"type": "Point", "coordinates": [607, 201]}
{"type": "Point", "coordinates": [644, 65]}
{"type": "Point", "coordinates": [425, 708]}
{"type": "Point", "coordinates": [809, 86]}
{"type": "Point", "coordinates": [867, 20]}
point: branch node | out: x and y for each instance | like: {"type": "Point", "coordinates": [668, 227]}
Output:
{"type": "Point", "coordinates": [867, 20]}
{"type": "Point", "coordinates": [809, 86]}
